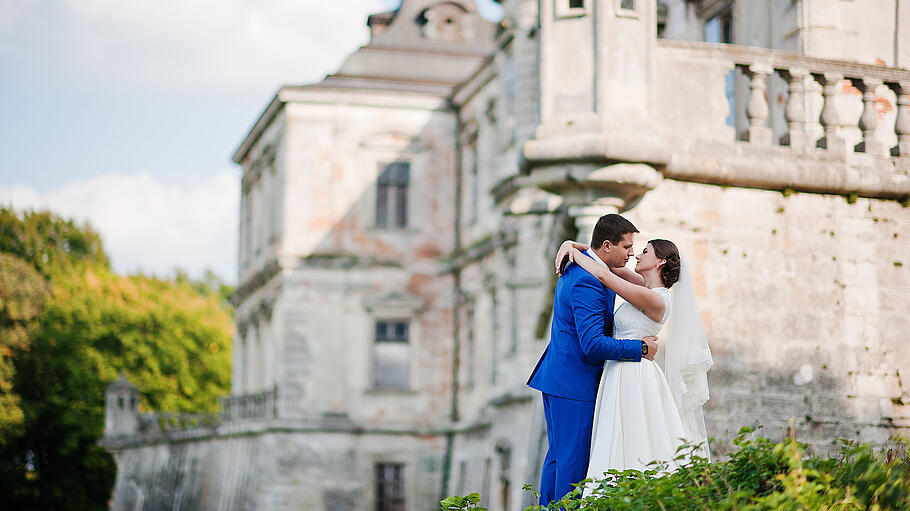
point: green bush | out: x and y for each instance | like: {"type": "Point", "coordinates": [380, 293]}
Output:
{"type": "Point", "coordinates": [760, 475]}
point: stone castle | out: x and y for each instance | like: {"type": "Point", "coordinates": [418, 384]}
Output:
{"type": "Point", "coordinates": [399, 219]}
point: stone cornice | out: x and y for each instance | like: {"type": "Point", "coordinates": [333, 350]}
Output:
{"type": "Point", "coordinates": [481, 248]}
{"type": "Point", "coordinates": [778, 168]}
{"type": "Point", "coordinates": [265, 118]}
{"type": "Point", "coordinates": [259, 279]}
{"type": "Point", "coordinates": [782, 59]}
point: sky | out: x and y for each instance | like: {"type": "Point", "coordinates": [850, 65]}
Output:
{"type": "Point", "coordinates": [125, 115]}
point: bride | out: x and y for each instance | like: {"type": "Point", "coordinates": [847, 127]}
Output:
{"type": "Point", "coordinates": [644, 413]}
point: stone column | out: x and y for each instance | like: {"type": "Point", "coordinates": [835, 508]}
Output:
{"type": "Point", "coordinates": [586, 215]}
{"type": "Point", "coordinates": [796, 113]}
{"type": "Point", "coordinates": [757, 109]}
{"type": "Point", "coordinates": [902, 125]}
{"type": "Point", "coordinates": [830, 117]}
{"type": "Point", "coordinates": [869, 120]}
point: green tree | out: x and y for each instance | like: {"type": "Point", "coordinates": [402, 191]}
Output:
{"type": "Point", "coordinates": [171, 338]}
{"type": "Point", "coordinates": [22, 295]}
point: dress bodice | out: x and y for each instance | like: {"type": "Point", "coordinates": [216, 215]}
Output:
{"type": "Point", "coordinates": [631, 323]}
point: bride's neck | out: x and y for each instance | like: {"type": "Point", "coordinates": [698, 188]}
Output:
{"type": "Point", "coordinates": [653, 279]}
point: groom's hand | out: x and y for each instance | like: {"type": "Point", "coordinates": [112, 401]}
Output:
{"type": "Point", "coordinates": [651, 341]}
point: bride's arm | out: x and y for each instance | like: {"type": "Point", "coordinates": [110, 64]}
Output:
{"type": "Point", "coordinates": [641, 297]}
{"type": "Point", "coordinates": [629, 276]}
{"type": "Point", "coordinates": [565, 250]}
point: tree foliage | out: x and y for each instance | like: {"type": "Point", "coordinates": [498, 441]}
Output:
{"type": "Point", "coordinates": [170, 336]}
{"type": "Point", "coordinates": [22, 295]}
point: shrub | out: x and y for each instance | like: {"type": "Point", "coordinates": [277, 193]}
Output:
{"type": "Point", "coordinates": [761, 475]}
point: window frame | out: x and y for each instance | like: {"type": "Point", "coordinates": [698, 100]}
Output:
{"type": "Point", "coordinates": [397, 501]}
{"type": "Point", "coordinates": [392, 202]}
{"type": "Point", "coordinates": [564, 9]}
{"type": "Point", "coordinates": [388, 339]}
{"type": "Point", "coordinates": [625, 12]}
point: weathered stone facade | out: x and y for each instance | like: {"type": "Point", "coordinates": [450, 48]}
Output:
{"type": "Point", "coordinates": [399, 219]}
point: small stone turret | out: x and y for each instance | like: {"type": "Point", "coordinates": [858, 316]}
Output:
{"type": "Point", "coordinates": [121, 408]}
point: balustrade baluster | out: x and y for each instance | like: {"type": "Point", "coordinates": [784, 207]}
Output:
{"type": "Point", "coordinates": [902, 125]}
{"type": "Point", "coordinates": [869, 121]}
{"type": "Point", "coordinates": [830, 117]}
{"type": "Point", "coordinates": [795, 113]}
{"type": "Point", "coordinates": [757, 110]}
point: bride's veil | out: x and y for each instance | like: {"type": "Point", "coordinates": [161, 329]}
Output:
{"type": "Point", "coordinates": [687, 358]}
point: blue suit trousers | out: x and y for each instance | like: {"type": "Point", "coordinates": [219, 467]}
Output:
{"type": "Point", "coordinates": [569, 423]}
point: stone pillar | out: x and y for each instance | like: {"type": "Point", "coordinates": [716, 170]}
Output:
{"type": "Point", "coordinates": [757, 109]}
{"type": "Point", "coordinates": [796, 113]}
{"type": "Point", "coordinates": [586, 215]}
{"type": "Point", "coordinates": [869, 120]}
{"type": "Point", "coordinates": [902, 125]}
{"type": "Point", "coordinates": [567, 64]}
{"type": "Point", "coordinates": [831, 117]}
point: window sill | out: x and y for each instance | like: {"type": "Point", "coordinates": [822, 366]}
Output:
{"type": "Point", "coordinates": [390, 390]}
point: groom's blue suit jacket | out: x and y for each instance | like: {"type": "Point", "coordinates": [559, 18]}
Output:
{"type": "Point", "coordinates": [580, 338]}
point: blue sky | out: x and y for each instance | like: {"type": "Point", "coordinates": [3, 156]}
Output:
{"type": "Point", "coordinates": [125, 114]}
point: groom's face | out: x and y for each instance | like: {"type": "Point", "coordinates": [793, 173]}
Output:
{"type": "Point", "coordinates": [618, 255]}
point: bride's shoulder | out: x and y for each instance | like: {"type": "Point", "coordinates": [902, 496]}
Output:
{"type": "Point", "coordinates": [662, 291]}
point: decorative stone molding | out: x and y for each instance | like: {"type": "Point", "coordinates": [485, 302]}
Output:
{"type": "Point", "coordinates": [403, 305]}
{"type": "Point", "coordinates": [259, 279]}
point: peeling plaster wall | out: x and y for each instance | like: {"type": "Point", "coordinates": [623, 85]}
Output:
{"type": "Point", "coordinates": [274, 471]}
{"type": "Point", "coordinates": [805, 300]}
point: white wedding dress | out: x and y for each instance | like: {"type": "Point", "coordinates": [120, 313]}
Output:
{"type": "Point", "coordinates": [636, 419]}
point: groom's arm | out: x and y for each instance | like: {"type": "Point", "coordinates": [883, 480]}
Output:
{"type": "Point", "coordinates": [589, 304]}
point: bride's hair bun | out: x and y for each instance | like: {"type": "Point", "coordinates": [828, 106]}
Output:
{"type": "Point", "coordinates": [665, 249]}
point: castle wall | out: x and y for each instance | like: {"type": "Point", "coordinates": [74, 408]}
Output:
{"type": "Point", "coordinates": [274, 471]}
{"type": "Point", "coordinates": [804, 297]}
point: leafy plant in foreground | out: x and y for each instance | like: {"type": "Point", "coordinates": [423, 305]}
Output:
{"type": "Point", "coordinates": [760, 476]}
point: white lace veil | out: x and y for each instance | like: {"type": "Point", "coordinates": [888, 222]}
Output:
{"type": "Point", "coordinates": [687, 358]}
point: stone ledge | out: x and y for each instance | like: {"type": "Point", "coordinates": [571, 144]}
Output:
{"type": "Point", "coordinates": [779, 168]}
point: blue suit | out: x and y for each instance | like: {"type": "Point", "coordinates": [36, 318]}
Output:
{"type": "Point", "coordinates": [568, 373]}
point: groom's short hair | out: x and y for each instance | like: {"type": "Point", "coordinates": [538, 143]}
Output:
{"type": "Point", "coordinates": [610, 228]}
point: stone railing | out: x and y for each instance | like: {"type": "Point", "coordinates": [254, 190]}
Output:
{"type": "Point", "coordinates": [801, 74]}
{"type": "Point", "coordinates": [249, 406]}
{"type": "Point", "coordinates": [183, 421]}
{"type": "Point", "coordinates": [830, 127]}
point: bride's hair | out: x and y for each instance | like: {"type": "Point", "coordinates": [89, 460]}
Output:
{"type": "Point", "coordinates": [666, 250]}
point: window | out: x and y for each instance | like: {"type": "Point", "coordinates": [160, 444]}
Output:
{"type": "Point", "coordinates": [627, 4]}
{"type": "Point", "coordinates": [570, 8]}
{"type": "Point", "coordinates": [470, 322]}
{"type": "Point", "coordinates": [390, 487]}
{"type": "Point", "coordinates": [494, 336]}
{"type": "Point", "coordinates": [504, 486]}
{"type": "Point", "coordinates": [392, 195]}
{"type": "Point", "coordinates": [390, 355]}
{"type": "Point", "coordinates": [475, 182]}
{"type": "Point", "coordinates": [246, 227]}
{"type": "Point", "coordinates": [719, 29]}
{"type": "Point", "coordinates": [511, 121]}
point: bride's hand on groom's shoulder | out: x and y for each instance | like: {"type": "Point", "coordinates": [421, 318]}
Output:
{"type": "Point", "coordinates": [564, 256]}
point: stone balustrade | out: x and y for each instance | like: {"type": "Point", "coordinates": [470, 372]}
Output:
{"type": "Point", "coordinates": [830, 127]}
{"type": "Point", "coordinates": [260, 405]}
{"type": "Point", "coordinates": [832, 77]}
{"type": "Point", "coordinates": [183, 421]}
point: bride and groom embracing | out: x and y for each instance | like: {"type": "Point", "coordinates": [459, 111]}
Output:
{"type": "Point", "coordinates": [607, 404]}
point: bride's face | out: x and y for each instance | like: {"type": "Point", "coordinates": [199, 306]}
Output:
{"type": "Point", "coordinates": [646, 260]}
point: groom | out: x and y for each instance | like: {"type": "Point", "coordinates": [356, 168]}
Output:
{"type": "Point", "coordinates": [581, 340]}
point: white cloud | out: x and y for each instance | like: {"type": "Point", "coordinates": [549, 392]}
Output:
{"type": "Point", "coordinates": [147, 225]}
{"type": "Point", "coordinates": [228, 45]}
